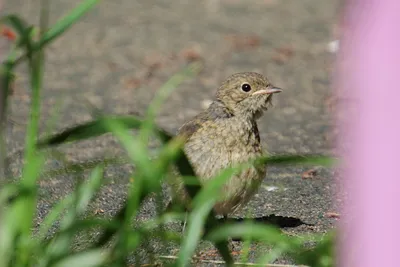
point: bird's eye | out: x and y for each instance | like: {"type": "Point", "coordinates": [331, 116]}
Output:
{"type": "Point", "coordinates": [246, 87]}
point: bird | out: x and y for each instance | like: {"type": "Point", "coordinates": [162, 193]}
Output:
{"type": "Point", "coordinates": [224, 135]}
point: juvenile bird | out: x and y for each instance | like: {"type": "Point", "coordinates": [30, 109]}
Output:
{"type": "Point", "coordinates": [225, 135]}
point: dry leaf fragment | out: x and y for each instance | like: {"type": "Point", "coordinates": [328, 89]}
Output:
{"type": "Point", "coordinates": [133, 83]}
{"type": "Point", "coordinates": [242, 42]}
{"type": "Point", "coordinates": [191, 54]}
{"type": "Point", "coordinates": [283, 54]}
{"type": "Point", "coordinates": [310, 174]}
{"type": "Point", "coordinates": [98, 211]}
{"type": "Point", "coordinates": [334, 215]}
{"type": "Point", "coordinates": [8, 33]}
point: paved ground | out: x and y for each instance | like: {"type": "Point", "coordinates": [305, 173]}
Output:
{"type": "Point", "coordinates": [117, 57]}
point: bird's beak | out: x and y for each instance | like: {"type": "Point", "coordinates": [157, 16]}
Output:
{"type": "Point", "coordinates": [268, 91]}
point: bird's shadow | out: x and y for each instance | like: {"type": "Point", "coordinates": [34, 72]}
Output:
{"type": "Point", "coordinates": [278, 221]}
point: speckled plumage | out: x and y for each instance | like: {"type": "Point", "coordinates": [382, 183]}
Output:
{"type": "Point", "coordinates": [226, 134]}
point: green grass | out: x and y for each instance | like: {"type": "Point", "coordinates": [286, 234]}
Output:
{"type": "Point", "coordinates": [23, 244]}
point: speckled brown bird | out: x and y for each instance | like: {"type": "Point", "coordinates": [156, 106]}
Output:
{"type": "Point", "coordinates": [226, 134]}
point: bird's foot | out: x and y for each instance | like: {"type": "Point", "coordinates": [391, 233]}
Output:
{"type": "Point", "coordinates": [184, 223]}
{"type": "Point", "coordinates": [214, 253]}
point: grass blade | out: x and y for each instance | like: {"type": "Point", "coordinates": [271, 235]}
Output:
{"type": "Point", "coordinates": [14, 21]}
{"type": "Point", "coordinates": [60, 246]}
{"type": "Point", "coordinates": [6, 77]}
{"type": "Point", "coordinates": [87, 191]}
{"type": "Point", "coordinates": [298, 159]}
{"type": "Point", "coordinates": [8, 233]}
{"type": "Point", "coordinates": [65, 23]}
{"type": "Point", "coordinates": [201, 215]}
{"type": "Point", "coordinates": [323, 254]}
{"type": "Point", "coordinates": [25, 207]}
{"type": "Point", "coordinates": [84, 193]}
{"type": "Point", "coordinates": [196, 222]}
{"type": "Point", "coordinates": [21, 28]}
{"type": "Point", "coordinates": [80, 167]}
{"type": "Point", "coordinates": [139, 189]}
{"type": "Point", "coordinates": [91, 258]}
{"type": "Point", "coordinates": [136, 150]}
{"type": "Point", "coordinates": [255, 231]}
{"type": "Point", "coordinates": [162, 94]}
{"type": "Point", "coordinates": [52, 216]}
{"type": "Point", "coordinates": [93, 129]}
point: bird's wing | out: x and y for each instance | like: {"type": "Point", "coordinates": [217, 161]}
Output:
{"type": "Point", "coordinates": [216, 111]}
{"type": "Point", "coordinates": [192, 126]}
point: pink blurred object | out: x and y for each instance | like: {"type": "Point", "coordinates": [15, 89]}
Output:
{"type": "Point", "coordinates": [368, 75]}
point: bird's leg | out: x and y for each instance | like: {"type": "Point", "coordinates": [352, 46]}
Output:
{"type": "Point", "coordinates": [214, 252]}
{"type": "Point", "coordinates": [170, 207]}
{"type": "Point", "coordinates": [184, 223]}
{"type": "Point", "coordinates": [231, 246]}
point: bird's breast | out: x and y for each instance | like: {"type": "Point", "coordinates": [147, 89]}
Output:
{"type": "Point", "coordinates": [224, 143]}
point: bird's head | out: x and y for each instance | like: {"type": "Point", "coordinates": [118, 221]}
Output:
{"type": "Point", "coordinates": [247, 94]}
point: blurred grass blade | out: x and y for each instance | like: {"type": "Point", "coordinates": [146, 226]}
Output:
{"type": "Point", "coordinates": [8, 225]}
{"type": "Point", "coordinates": [146, 180]}
{"type": "Point", "coordinates": [168, 154]}
{"type": "Point", "coordinates": [61, 245]}
{"type": "Point", "coordinates": [14, 21]}
{"type": "Point", "coordinates": [167, 88]}
{"type": "Point", "coordinates": [90, 258]}
{"type": "Point", "coordinates": [255, 231]}
{"type": "Point", "coordinates": [25, 207]}
{"type": "Point", "coordinates": [85, 224]}
{"type": "Point", "coordinates": [84, 193]}
{"type": "Point", "coordinates": [136, 150]}
{"type": "Point", "coordinates": [202, 206]}
{"type": "Point", "coordinates": [163, 93]}
{"type": "Point", "coordinates": [185, 167]}
{"type": "Point", "coordinates": [8, 232]}
{"type": "Point", "coordinates": [33, 161]}
{"type": "Point", "coordinates": [213, 188]}
{"type": "Point", "coordinates": [6, 79]}
{"type": "Point", "coordinates": [298, 159]}
{"type": "Point", "coordinates": [166, 217]}
{"type": "Point", "coordinates": [323, 254]}
{"type": "Point", "coordinates": [87, 191]}
{"type": "Point", "coordinates": [53, 215]}
{"type": "Point", "coordinates": [65, 23]}
{"type": "Point", "coordinates": [8, 191]}
{"type": "Point", "coordinates": [80, 167]}
{"type": "Point", "coordinates": [21, 28]}
{"type": "Point", "coordinates": [272, 256]}
{"type": "Point", "coordinates": [108, 234]}
{"type": "Point", "coordinates": [196, 222]}
{"type": "Point", "coordinates": [186, 170]}
{"type": "Point", "coordinates": [93, 129]}
{"type": "Point", "coordinates": [36, 67]}
{"type": "Point", "coordinates": [139, 189]}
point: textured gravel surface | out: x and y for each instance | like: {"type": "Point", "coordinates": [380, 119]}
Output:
{"type": "Point", "coordinates": [119, 55]}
